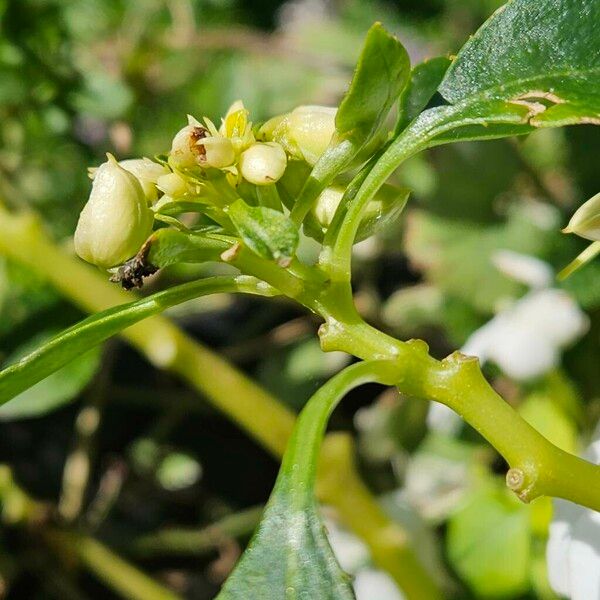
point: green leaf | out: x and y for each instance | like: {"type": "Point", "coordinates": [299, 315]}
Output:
{"type": "Point", "coordinates": [382, 72]}
{"type": "Point", "coordinates": [289, 556]}
{"type": "Point", "coordinates": [424, 81]}
{"type": "Point", "coordinates": [168, 247]}
{"type": "Point", "coordinates": [543, 56]}
{"type": "Point", "coordinates": [90, 332]}
{"type": "Point", "coordinates": [267, 232]}
{"type": "Point", "coordinates": [489, 544]}
{"type": "Point", "coordinates": [54, 391]}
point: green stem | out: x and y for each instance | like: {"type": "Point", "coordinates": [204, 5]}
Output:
{"type": "Point", "coordinates": [197, 542]}
{"type": "Point", "coordinates": [119, 575]}
{"type": "Point", "coordinates": [538, 467]}
{"type": "Point", "coordinates": [268, 196]}
{"type": "Point", "coordinates": [333, 161]}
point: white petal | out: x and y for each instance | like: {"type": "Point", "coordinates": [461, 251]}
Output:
{"type": "Point", "coordinates": [442, 419]}
{"type": "Point", "coordinates": [350, 551]}
{"type": "Point", "coordinates": [372, 584]}
{"type": "Point", "coordinates": [523, 268]}
{"type": "Point", "coordinates": [584, 557]}
{"type": "Point", "coordinates": [559, 542]}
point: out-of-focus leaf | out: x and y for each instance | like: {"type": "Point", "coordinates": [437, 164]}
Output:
{"type": "Point", "coordinates": [457, 256]}
{"type": "Point", "coordinates": [267, 232]}
{"type": "Point", "coordinates": [56, 390]}
{"type": "Point", "coordinates": [22, 295]}
{"type": "Point", "coordinates": [489, 544]}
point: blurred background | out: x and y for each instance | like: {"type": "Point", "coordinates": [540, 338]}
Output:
{"type": "Point", "coordinates": [481, 238]}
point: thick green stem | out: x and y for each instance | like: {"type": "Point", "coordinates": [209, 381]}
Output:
{"type": "Point", "coordinates": [537, 467]}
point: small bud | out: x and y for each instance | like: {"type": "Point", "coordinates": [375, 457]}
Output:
{"type": "Point", "coordinates": [263, 164]}
{"type": "Point", "coordinates": [148, 172]}
{"type": "Point", "coordinates": [172, 184]}
{"type": "Point", "coordinates": [326, 205]}
{"type": "Point", "coordinates": [586, 220]}
{"type": "Point", "coordinates": [185, 150]}
{"type": "Point", "coordinates": [218, 152]}
{"type": "Point", "coordinates": [116, 220]}
{"type": "Point", "coordinates": [305, 133]}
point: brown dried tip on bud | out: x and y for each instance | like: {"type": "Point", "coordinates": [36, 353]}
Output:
{"type": "Point", "coordinates": [185, 150]}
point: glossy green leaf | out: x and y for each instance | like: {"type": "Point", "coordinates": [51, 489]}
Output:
{"type": "Point", "coordinates": [289, 556]}
{"type": "Point", "coordinates": [54, 391]}
{"type": "Point", "coordinates": [77, 340]}
{"type": "Point", "coordinates": [543, 56]}
{"type": "Point", "coordinates": [267, 232]}
{"type": "Point", "coordinates": [489, 544]}
{"type": "Point", "coordinates": [424, 81]}
{"type": "Point", "coordinates": [382, 72]}
{"type": "Point", "coordinates": [169, 246]}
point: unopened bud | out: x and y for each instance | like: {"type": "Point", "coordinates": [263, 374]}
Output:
{"type": "Point", "coordinates": [326, 205]}
{"type": "Point", "coordinates": [172, 184]}
{"type": "Point", "coordinates": [148, 172]}
{"type": "Point", "coordinates": [263, 163]}
{"type": "Point", "coordinates": [218, 152]}
{"type": "Point", "coordinates": [586, 220]}
{"type": "Point", "coordinates": [185, 150]}
{"type": "Point", "coordinates": [116, 220]}
{"type": "Point", "coordinates": [305, 132]}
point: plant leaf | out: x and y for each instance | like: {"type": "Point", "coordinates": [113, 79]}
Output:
{"type": "Point", "coordinates": [424, 81]}
{"type": "Point", "coordinates": [169, 246]}
{"type": "Point", "coordinates": [77, 340]}
{"type": "Point", "coordinates": [54, 391]}
{"type": "Point", "coordinates": [289, 556]}
{"type": "Point", "coordinates": [489, 544]}
{"type": "Point", "coordinates": [267, 232]}
{"type": "Point", "coordinates": [542, 55]}
{"type": "Point", "coordinates": [382, 72]}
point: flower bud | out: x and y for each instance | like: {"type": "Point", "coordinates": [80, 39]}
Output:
{"type": "Point", "coordinates": [586, 220]}
{"type": "Point", "coordinates": [148, 172]}
{"type": "Point", "coordinates": [185, 150]}
{"type": "Point", "coordinates": [116, 220]}
{"type": "Point", "coordinates": [263, 163]}
{"type": "Point", "coordinates": [326, 205]}
{"type": "Point", "coordinates": [305, 133]}
{"type": "Point", "coordinates": [172, 184]}
{"type": "Point", "coordinates": [218, 152]}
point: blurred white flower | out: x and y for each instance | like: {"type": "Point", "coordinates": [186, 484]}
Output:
{"type": "Point", "coordinates": [525, 339]}
{"type": "Point", "coordinates": [573, 551]}
{"type": "Point", "coordinates": [354, 558]}
{"type": "Point", "coordinates": [373, 584]}
{"type": "Point", "coordinates": [523, 268]}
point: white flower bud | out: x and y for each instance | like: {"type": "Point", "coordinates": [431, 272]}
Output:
{"type": "Point", "coordinates": [218, 152]}
{"type": "Point", "coordinates": [185, 150]}
{"type": "Point", "coordinates": [116, 220]}
{"type": "Point", "coordinates": [311, 128]}
{"type": "Point", "coordinates": [148, 172]}
{"type": "Point", "coordinates": [305, 133]}
{"type": "Point", "coordinates": [263, 164]}
{"type": "Point", "coordinates": [326, 205]}
{"type": "Point", "coordinates": [586, 220]}
{"type": "Point", "coordinates": [172, 184]}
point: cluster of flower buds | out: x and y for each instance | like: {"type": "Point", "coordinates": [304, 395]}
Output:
{"type": "Point", "coordinates": [126, 196]}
